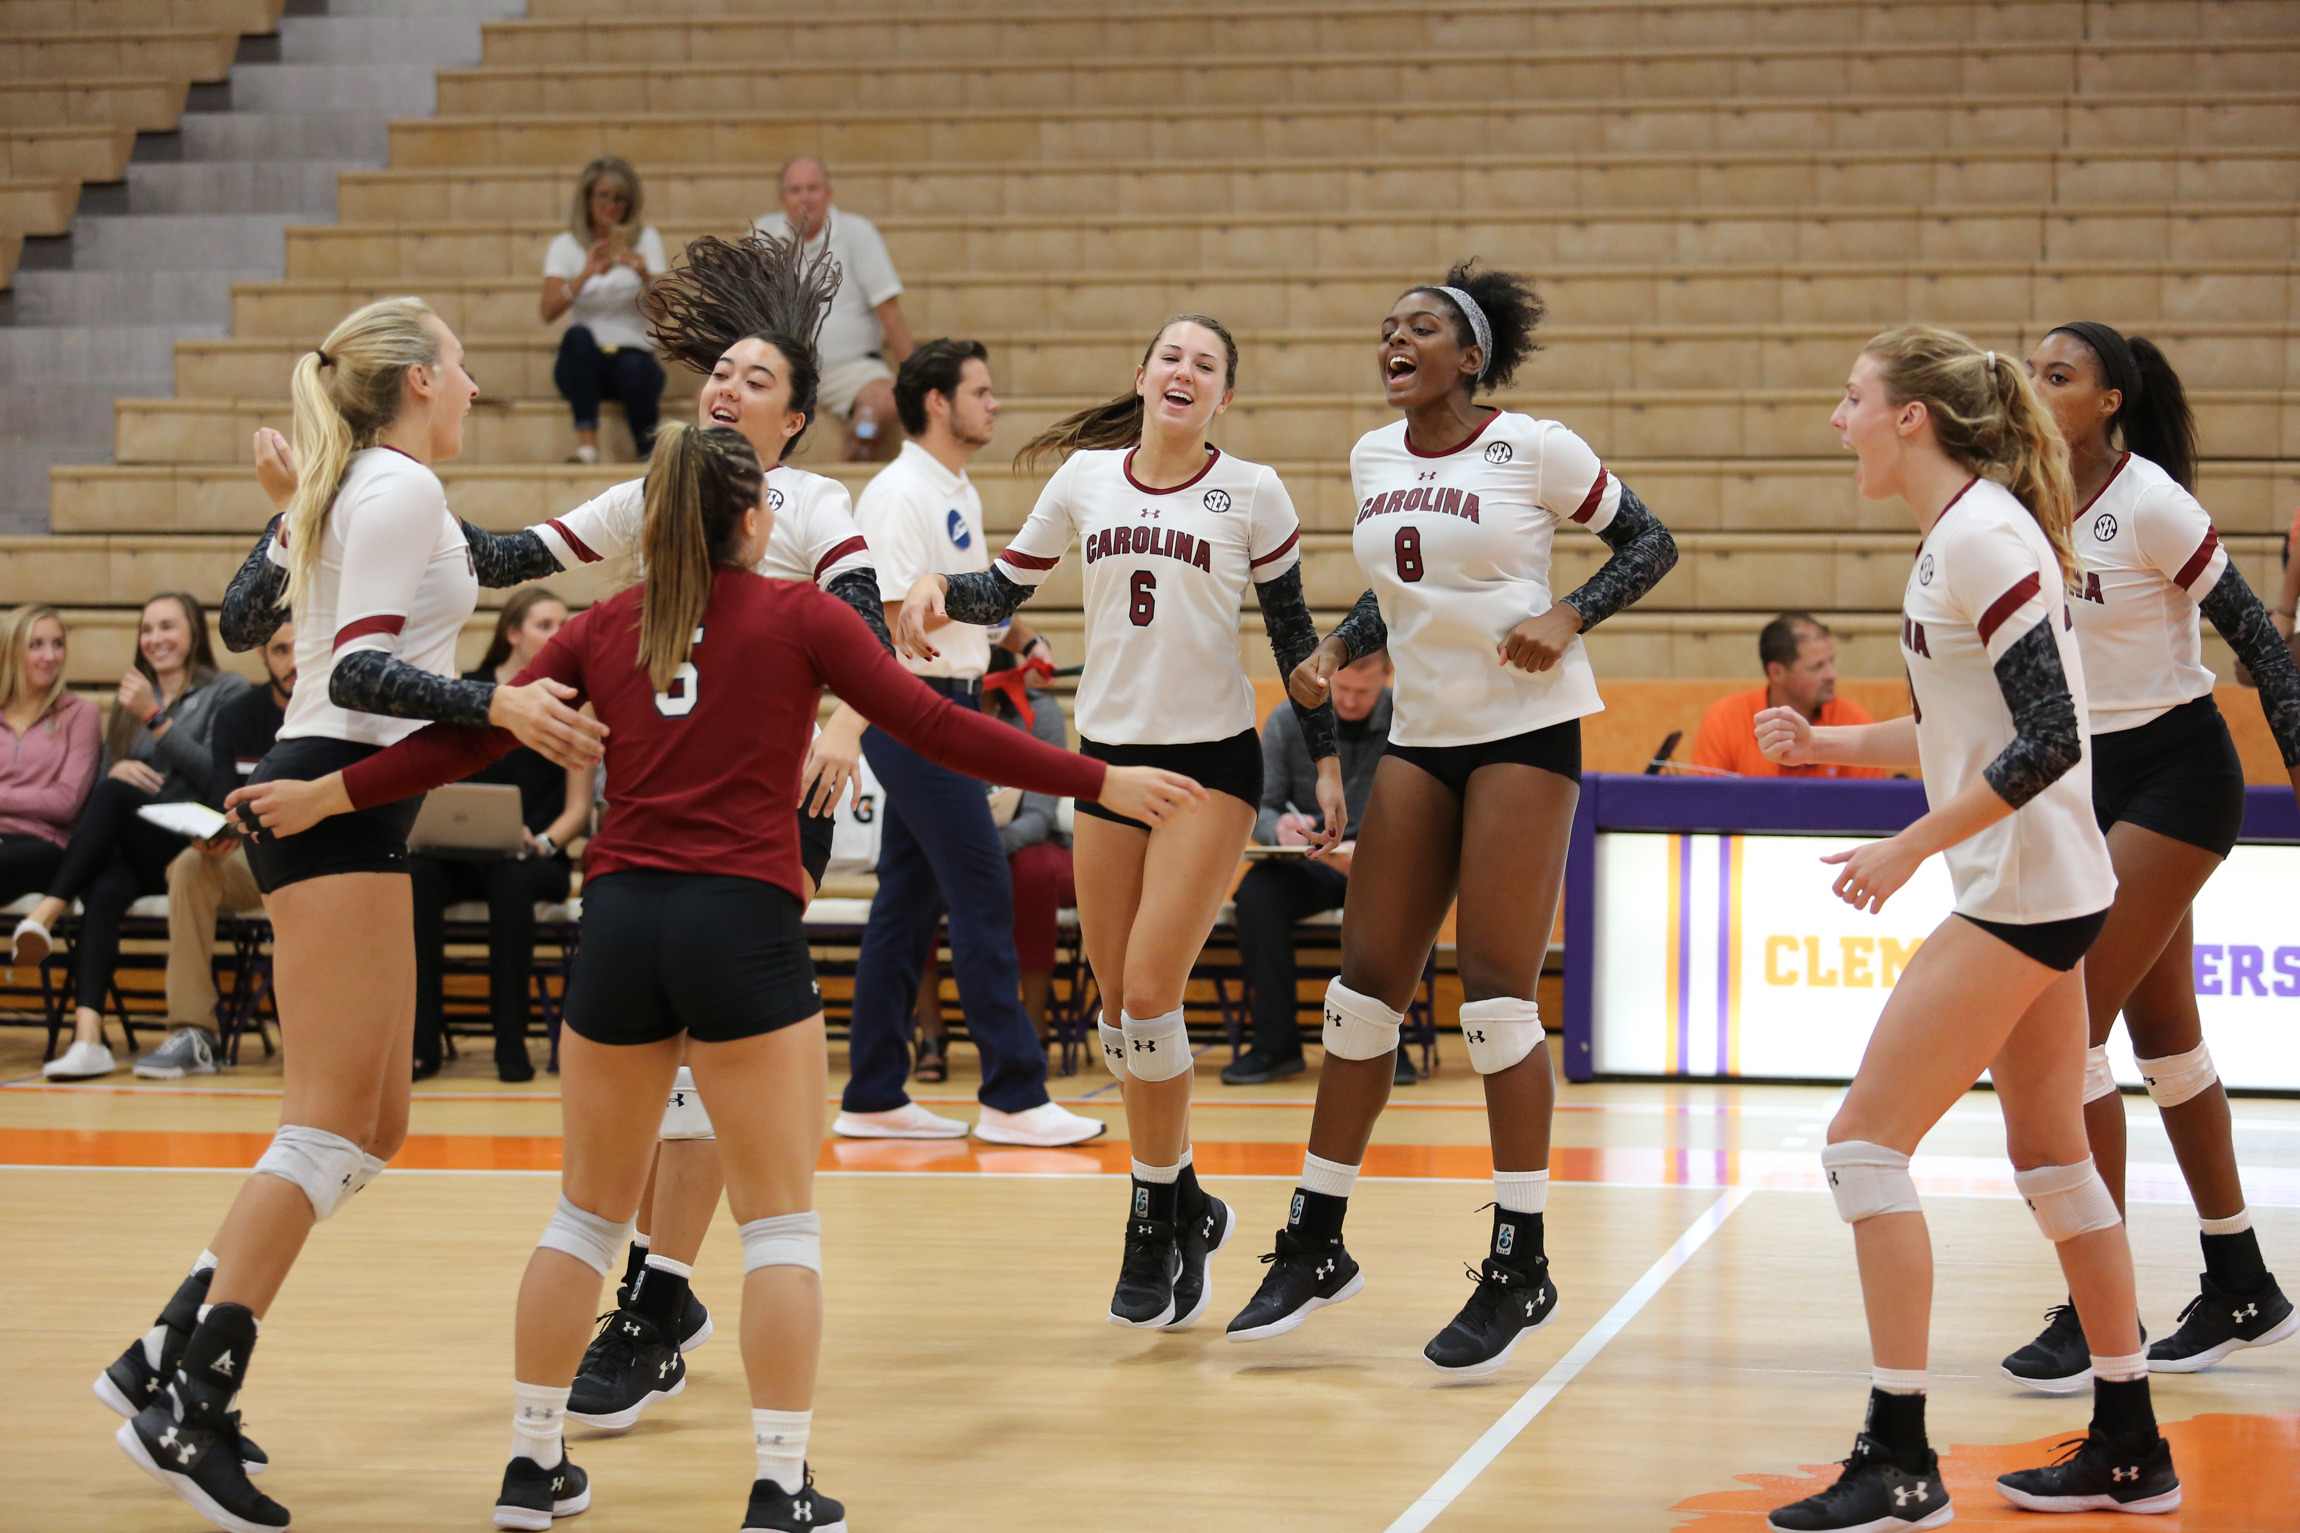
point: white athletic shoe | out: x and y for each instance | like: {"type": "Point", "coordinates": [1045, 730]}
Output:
{"type": "Point", "coordinates": [30, 944]}
{"type": "Point", "coordinates": [909, 1121]}
{"type": "Point", "coordinates": [1043, 1127]}
{"type": "Point", "coordinates": [82, 1061]}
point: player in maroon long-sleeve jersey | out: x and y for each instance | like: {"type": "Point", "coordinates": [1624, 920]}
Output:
{"type": "Point", "coordinates": [707, 678]}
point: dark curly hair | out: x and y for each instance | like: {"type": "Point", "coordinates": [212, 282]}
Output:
{"type": "Point", "coordinates": [1512, 308]}
{"type": "Point", "coordinates": [760, 287]}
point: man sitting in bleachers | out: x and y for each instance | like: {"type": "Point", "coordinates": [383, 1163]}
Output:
{"type": "Point", "coordinates": [1279, 891]}
{"type": "Point", "coordinates": [1800, 659]}
{"type": "Point", "coordinates": [213, 875]}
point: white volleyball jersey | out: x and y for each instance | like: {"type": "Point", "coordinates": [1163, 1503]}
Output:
{"type": "Point", "coordinates": [395, 574]}
{"type": "Point", "coordinates": [814, 536]}
{"type": "Point", "coordinates": [1983, 579]}
{"type": "Point", "coordinates": [1166, 571]}
{"type": "Point", "coordinates": [2150, 555]}
{"type": "Point", "coordinates": [1457, 548]}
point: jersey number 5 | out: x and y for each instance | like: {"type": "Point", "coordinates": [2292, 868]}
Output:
{"type": "Point", "coordinates": [1409, 554]}
{"type": "Point", "coordinates": [1144, 607]}
{"type": "Point", "coordinates": [678, 700]}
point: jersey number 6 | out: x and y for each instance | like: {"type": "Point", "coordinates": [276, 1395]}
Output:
{"type": "Point", "coordinates": [1144, 607]}
{"type": "Point", "coordinates": [1409, 554]}
{"type": "Point", "coordinates": [677, 701]}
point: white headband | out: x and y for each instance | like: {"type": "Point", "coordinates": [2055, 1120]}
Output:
{"type": "Point", "coordinates": [1477, 325]}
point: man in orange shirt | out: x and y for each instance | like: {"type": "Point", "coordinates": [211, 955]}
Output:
{"type": "Point", "coordinates": [1800, 658]}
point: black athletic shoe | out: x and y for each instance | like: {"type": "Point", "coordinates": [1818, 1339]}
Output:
{"type": "Point", "coordinates": [805, 1510]}
{"type": "Point", "coordinates": [532, 1495]}
{"type": "Point", "coordinates": [2059, 1361]}
{"type": "Point", "coordinates": [694, 1320]}
{"type": "Point", "coordinates": [1145, 1292]}
{"type": "Point", "coordinates": [629, 1366]}
{"type": "Point", "coordinates": [1254, 1068]}
{"type": "Point", "coordinates": [1301, 1278]}
{"type": "Point", "coordinates": [2216, 1324]}
{"type": "Point", "coordinates": [1505, 1308]}
{"type": "Point", "coordinates": [1881, 1491]}
{"type": "Point", "coordinates": [1199, 1238]}
{"type": "Point", "coordinates": [195, 1453]}
{"type": "Point", "coordinates": [137, 1375]}
{"type": "Point", "coordinates": [2094, 1474]}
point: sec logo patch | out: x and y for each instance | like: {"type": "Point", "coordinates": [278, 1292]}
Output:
{"type": "Point", "coordinates": [774, 500]}
{"type": "Point", "coordinates": [1217, 500]}
{"type": "Point", "coordinates": [1925, 570]}
{"type": "Point", "coordinates": [961, 535]}
{"type": "Point", "coordinates": [1497, 452]}
{"type": "Point", "coordinates": [2104, 527]}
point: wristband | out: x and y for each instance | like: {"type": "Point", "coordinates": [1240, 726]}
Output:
{"type": "Point", "coordinates": [545, 846]}
{"type": "Point", "coordinates": [154, 716]}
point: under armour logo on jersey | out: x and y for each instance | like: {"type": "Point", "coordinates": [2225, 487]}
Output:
{"type": "Point", "coordinates": [1925, 570]}
{"type": "Point", "coordinates": [1217, 500]}
{"type": "Point", "coordinates": [1504, 1238]}
{"type": "Point", "coordinates": [224, 1365]}
{"type": "Point", "coordinates": [961, 535]}
{"type": "Point", "coordinates": [2125, 1474]}
{"type": "Point", "coordinates": [2248, 1312]}
{"type": "Point", "coordinates": [1498, 452]}
{"type": "Point", "coordinates": [2104, 526]}
{"type": "Point", "coordinates": [774, 500]}
{"type": "Point", "coordinates": [1903, 1494]}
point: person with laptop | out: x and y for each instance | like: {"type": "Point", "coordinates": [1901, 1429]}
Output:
{"type": "Point", "coordinates": [511, 867]}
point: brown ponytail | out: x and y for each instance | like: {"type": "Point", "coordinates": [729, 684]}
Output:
{"type": "Point", "coordinates": [700, 481]}
{"type": "Point", "coordinates": [1986, 416]}
{"type": "Point", "coordinates": [1117, 422]}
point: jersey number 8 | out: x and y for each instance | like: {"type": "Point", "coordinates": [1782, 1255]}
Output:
{"type": "Point", "coordinates": [1144, 606]}
{"type": "Point", "coordinates": [678, 700]}
{"type": "Point", "coordinates": [1409, 554]}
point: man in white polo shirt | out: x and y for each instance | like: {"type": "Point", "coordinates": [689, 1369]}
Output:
{"type": "Point", "coordinates": [864, 336]}
{"type": "Point", "coordinates": [939, 848]}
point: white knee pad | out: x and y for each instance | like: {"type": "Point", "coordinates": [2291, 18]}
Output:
{"type": "Point", "coordinates": [684, 1118]}
{"type": "Point", "coordinates": [328, 1167]}
{"type": "Point", "coordinates": [2068, 1201]}
{"type": "Point", "coordinates": [1868, 1180]}
{"type": "Point", "coordinates": [1157, 1048]}
{"type": "Point", "coordinates": [1113, 1048]}
{"type": "Point", "coordinates": [786, 1240]}
{"type": "Point", "coordinates": [2175, 1078]}
{"type": "Point", "coordinates": [2099, 1080]}
{"type": "Point", "coordinates": [1358, 1026]}
{"type": "Point", "coordinates": [1500, 1032]}
{"type": "Point", "coordinates": [594, 1241]}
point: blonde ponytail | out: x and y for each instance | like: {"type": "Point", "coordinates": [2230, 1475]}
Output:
{"type": "Point", "coordinates": [1986, 415]}
{"type": "Point", "coordinates": [700, 481]}
{"type": "Point", "coordinates": [344, 396]}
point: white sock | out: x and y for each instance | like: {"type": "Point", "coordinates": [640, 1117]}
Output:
{"type": "Point", "coordinates": [665, 1264]}
{"type": "Point", "coordinates": [538, 1422]}
{"type": "Point", "coordinates": [781, 1438]}
{"type": "Point", "coordinates": [1522, 1192]}
{"type": "Point", "coordinates": [1329, 1177]}
{"type": "Point", "coordinates": [639, 1239]}
{"type": "Point", "coordinates": [2121, 1370]}
{"type": "Point", "coordinates": [2235, 1224]}
{"type": "Point", "coordinates": [1898, 1381]}
{"type": "Point", "coordinates": [1163, 1176]}
{"type": "Point", "coordinates": [207, 1259]}
{"type": "Point", "coordinates": [1186, 1158]}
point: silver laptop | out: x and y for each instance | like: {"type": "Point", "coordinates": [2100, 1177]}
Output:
{"type": "Point", "coordinates": [474, 820]}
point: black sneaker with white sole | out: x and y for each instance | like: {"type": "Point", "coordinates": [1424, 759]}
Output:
{"type": "Point", "coordinates": [1145, 1292]}
{"type": "Point", "coordinates": [2216, 1323]}
{"type": "Point", "coordinates": [1302, 1277]}
{"type": "Point", "coordinates": [532, 1495]}
{"type": "Point", "coordinates": [2096, 1473]}
{"type": "Point", "coordinates": [2059, 1361]}
{"type": "Point", "coordinates": [1199, 1236]}
{"type": "Point", "coordinates": [136, 1376]}
{"type": "Point", "coordinates": [1506, 1306]}
{"type": "Point", "coordinates": [694, 1320]}
{"type": "Point", "coordinates": [1881, 1491]}
{"type": "Point", "coordinates": [805, 1510]}
{"type": "Point", "coordinates": [188, 1439]}
{"type": "Point", "coordinates": [630, 1365]}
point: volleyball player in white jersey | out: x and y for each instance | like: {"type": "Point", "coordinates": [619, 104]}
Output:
{"type": "Point", "coordinates": [2168, 790]}
{"type": "Point", "coordinates": [1458, 506]}
{"type": "Point", "coordinates": [380, 580]}
{"type": "Point", "coordinates": [1173, 532]}
{"type": "Point", "coordinates": [1997, 685]}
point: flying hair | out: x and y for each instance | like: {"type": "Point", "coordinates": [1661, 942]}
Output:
{"type": "Point", "coordinates": [700, 482]}
{"type": "Point", "coordinates": [763, 287]}
{"type": "Point", "coordinates": [1513, 311]}
{"type": "Point", "coordinates": [1117, 421]}
{"type": "Point", "coordinates": [1986, 415]}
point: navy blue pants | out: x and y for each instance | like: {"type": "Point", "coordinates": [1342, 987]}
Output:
{"type": "Point", "coordinates": [585, 375]}
{"type": "Point", "coordinates": [938, 849]}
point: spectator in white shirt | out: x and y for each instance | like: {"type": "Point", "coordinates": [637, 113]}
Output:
{"type": "Point", "coordinates": [864, 338]}
{"type": "Point", "coordinates": [595, 273]}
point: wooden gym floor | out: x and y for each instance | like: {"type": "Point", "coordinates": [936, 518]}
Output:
{"type": "Point", "coordinates": [1708, 1355]}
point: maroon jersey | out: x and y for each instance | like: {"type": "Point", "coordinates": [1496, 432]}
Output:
{"type": "Point", "coordinates": [704, 777]}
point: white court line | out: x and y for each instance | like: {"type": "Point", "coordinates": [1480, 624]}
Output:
{"type": "Point", "coordinates": [1433, 1502]}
